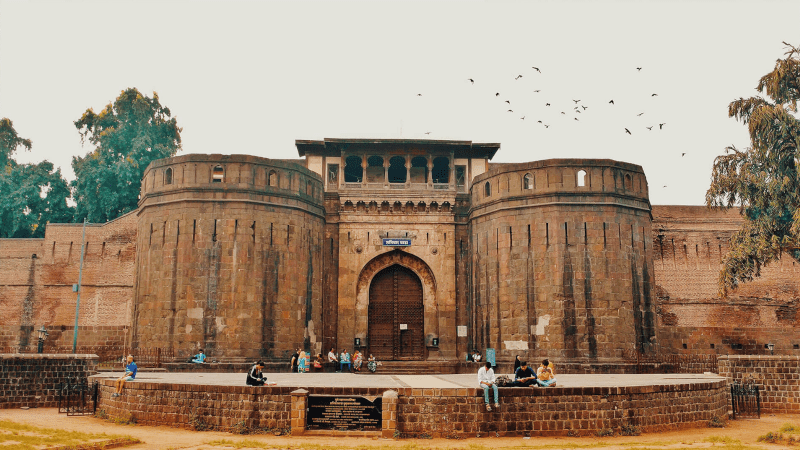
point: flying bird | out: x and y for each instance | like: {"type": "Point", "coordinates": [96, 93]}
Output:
{"type": "Point", "coordinates": [584, 107]}
{"type": "Point", "coordinates": [683, 154]}
{"type": "Point", "coordinates": [639, 69]}
{"type": "Point", "coordinates": [510, 110]}
{"type": "Point", "coordinates": [472, 81]}
{"type": "Point", "coordinates": [627, 131]}
{"type": "Point", "coordinates": [612, 102]}
{"type": "Point", "coordinates": [577, 119]}
{"type": "Point", "coordinates": [547, 126]}
{"type": "Point", "coordinates": [518, 77]}
{"type": "Point", "coordinates": [661, 125]}
{"type": "Point", "coordinates": [649, 128]}
{"type": "Point", "coordinates": [419, 95]}
{"type": "Point", "coordinates": [639, 114]}
{"type": "Point", "coordinates": [508, 101]}
{"type": "Point", "coordinates": [547, 104]}
{"type": "Point", "coordinates": [654, 95]}
{"type": "Point", "coordinates": [536, 69]}
{"type": "Point", "coordinates": [427, 132]}
{"type": "Point", "coordinates": [523, 117]}
{"type": "Point", "coordinates": [576, 101]}
{"type": "Point", "coordinates": [537, 90]}
{"type": "Point", "coordinates": [562, 112]}
{"type": "Point", "coordinates": [497, 95]}
{"type": "Point", "coordinates": [539, 121]}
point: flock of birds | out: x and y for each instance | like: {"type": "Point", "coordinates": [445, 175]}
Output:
{"type": "Point", "coordinates": [578, 108]}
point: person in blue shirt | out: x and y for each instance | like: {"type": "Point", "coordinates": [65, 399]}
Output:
{"type": "Point", "coordinates": [344, 360]}
{"type": "Point", "coordinates": [524, 376]}
{"type": "Point", "coordinates": [199, 358]}
{"type": "Point", "coordinates": [130, 375]}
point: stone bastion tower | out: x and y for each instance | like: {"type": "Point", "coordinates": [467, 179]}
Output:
{"type": "Point", "coordinates": [413, 250]}
{"type": "Point", "coordinates": [229, 257]}
{"type": "Point", "coordinates": [560, 261]}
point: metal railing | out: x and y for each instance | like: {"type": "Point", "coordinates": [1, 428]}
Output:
{"type": "Point", "coordinates": [77, 397]}
{"type": "Point", "coordinates": [745, 400]}
{"type": "Point", "coordinates": [151, 356]}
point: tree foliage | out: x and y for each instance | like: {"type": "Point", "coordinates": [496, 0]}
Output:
{"type": "Point", "coordinates": [763, 179]}
{"type": "Point", "coordinates": [31, 195]}
{"type": "Point", "coordinates": [127, 134]}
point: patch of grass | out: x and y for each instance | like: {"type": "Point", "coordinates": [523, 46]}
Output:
{"type": "Point", "coordinates": [20, 436]}
{"type": "Point", "coordinates": [721, 440]}
{"type": "Point", "coordinates": [789, 428]}
{"type": "Point", "coordinates": [605, 432]}
{"type": "Point", "coordinates": [772, 438]}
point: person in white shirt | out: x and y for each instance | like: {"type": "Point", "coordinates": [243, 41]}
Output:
{"type": "Point", "coordinates": [333, 359]}
{"type": "Point", "coordinates": [486, 380]}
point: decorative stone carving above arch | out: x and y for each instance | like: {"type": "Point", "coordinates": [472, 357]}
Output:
{"type": "Point", "coordinates": [416, 265]}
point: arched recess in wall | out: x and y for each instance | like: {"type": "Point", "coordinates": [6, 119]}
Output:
{"type": "Point", "coordinates": [272, 178]}
{"type": "Point", "coordinates": [581, 178]}
{"type": "Point", "coordinates": [168, 176]}
{"type": "Point", "coordinates": [441, 170]}
{"type": "Point", "coordinates": [487, 189]}
{"type": "Point", "coordinates": [628, 182]}
{"type": "Point", "coordinates": [413, 263]}
{"type": "Point", "coordinates": [353, 172]}
{"type": "Point", "coordinates": [527, 181]}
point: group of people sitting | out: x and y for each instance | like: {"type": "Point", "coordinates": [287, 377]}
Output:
{"type": "Point", "coordinates": [523, 377]}
{"type": "Point", "coordinates": [354, 363]}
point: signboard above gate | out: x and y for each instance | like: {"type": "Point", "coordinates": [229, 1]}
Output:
{"type": "Point", "coordinates": [392, 242]}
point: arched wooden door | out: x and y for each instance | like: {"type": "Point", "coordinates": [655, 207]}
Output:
{"type": "Point", "coordinates": [396, 315]}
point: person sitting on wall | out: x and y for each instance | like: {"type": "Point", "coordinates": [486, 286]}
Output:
{"type": "Point", "coordinates": [344, 360]}
{"type": "Point", "coordinates": [476, 357]}
{"type": "Point", "coordinates": [317, 365]}
{"type": "Point", "coordinates": [372, 363]}
{"type": "Point", "coordinates": [358, 359]}
{"type": "Point", "coordinates": [486, 380]}
{"type": "Point", "coordinates": [199, 358]}
{"type": "Point", "coordinates": [333, 359]}
{"type": "Point", "coordinates": [254, 376]}
{"type": "Point", "coordinates": [130, 375]}
{"type": "Point", "coordinates": [524, 376]}
{"type": "Point", "coordinates": [545, 374]}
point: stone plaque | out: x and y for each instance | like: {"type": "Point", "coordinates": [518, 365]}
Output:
{"type": "Point", "coordinates": [343, 412]}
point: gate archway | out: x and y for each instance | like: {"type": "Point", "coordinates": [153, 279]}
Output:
{"type": "Point", "coordinates": [414, 267]}
{"type": "Point", "coordinates": [396, 315]}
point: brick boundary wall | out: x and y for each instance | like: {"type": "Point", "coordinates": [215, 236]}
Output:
{"type": "Point", "coordinates": [778, 379]}
{"type": "Point", "coordinates": [558, 411]}
{"type": "Point", "coordinates": [32, 379]}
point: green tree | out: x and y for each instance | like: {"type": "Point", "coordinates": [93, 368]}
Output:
{"type": "Point", "coordinates": [127, 134]}
{"type": "Point", "coordinates": [763, 179]}
{"type": "Point", "coordinates": [31, 195]}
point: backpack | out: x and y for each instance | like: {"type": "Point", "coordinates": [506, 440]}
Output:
{"type": "Point", "coordinates": [502, 381]}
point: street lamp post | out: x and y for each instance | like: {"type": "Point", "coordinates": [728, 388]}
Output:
{"type": "Point", "coordinates": [42, 336]}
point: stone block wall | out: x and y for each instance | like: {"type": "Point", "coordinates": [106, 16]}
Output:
{"type": "Point", "coordinates": [778, 379]}
{"type": "Point", "coordinates": [36, 278]}
{"type": "Point", "coordinates": [433, 412]}
{"type": "Point", "coordinates": [32, 380]}
{"type": "Point", "coordinates": [561, 261]}
{"type": "Point", "coordinates": [689, 245]}
{"type": "Point", "coordinates": [229, 257]}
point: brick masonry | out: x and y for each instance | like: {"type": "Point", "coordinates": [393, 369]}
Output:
{"type": "Point", "coordinates": [778, 378]}
{"type": "Point", "coordinates": [434, 412]}
{"type": "Point", "coordinates": [32, 380]}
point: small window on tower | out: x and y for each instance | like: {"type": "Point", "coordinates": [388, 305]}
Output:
{"type": "Point", "coordinates": [218, 174]}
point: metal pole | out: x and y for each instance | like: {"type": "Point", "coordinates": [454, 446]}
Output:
{"type": "Point", "coordinates": [78, 302]}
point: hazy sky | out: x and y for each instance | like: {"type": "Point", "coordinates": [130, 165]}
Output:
{"type": "Point", "coordinates": [252, 77]}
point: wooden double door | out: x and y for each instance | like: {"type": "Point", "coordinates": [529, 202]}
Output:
{"type": "Point", "coordinates": [396, 315]}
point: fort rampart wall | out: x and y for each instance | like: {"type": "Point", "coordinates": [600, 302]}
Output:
{"type": "Point", "coordinates": [36, 279]}
{"type": "Point", "coordinates": [689, 244]}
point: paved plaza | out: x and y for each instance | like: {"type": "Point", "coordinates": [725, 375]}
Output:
{"type": "Point", "coordinates": [411, 381]}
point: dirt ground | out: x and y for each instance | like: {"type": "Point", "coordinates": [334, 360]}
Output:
{"type": "Point", "coordinates": [745, 431]}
